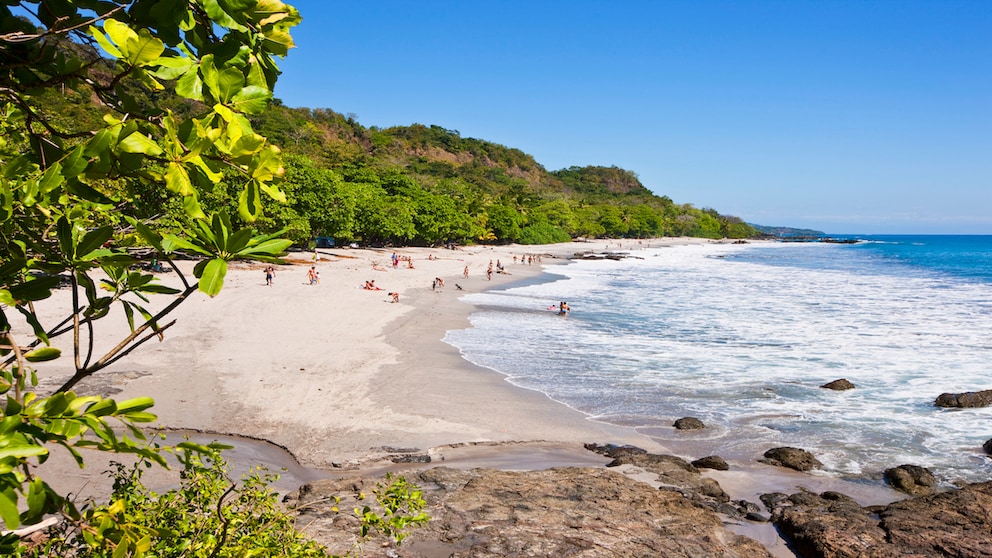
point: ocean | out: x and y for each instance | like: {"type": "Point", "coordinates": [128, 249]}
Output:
{"type": "Point", "coordinates": [743, 336]}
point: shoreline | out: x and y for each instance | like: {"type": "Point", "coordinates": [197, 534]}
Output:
{"type": "Point", "coordinates": [340, 377]}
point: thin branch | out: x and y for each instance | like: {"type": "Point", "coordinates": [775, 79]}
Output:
{"type": "Point", "coordinates": [111, 355]}
{"type": "Point", "coordinates": [156, 333]}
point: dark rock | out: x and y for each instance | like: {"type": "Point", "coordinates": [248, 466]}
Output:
{"type": "Point", "coordinates": [956, 523]}
{"type": "Point", "coordinates": [987, 446]}
{"type": "Point", "coordinates": [820, 528]}
{"type": "Point", "coordinates": [838, 385]}
{"type": "Point", "coordinates": [911, 479]}
{"type": "Point", "coordinates": [486, 513]}
{"type": "Point", "coordinates": [689, 423]}
{"type": "Point", "coordinates": [757, 517]}
{"type": "Point", "coordinates": [421, 458]}
{"type": "Point", "coordinates": [676, 472]}
{"type": "Point", "coordinates": [614, 451]}
{"type": "Point", "coordinates": [965, 400]}
{"type": "Point", "coordinates": [711, 462]}
{"type": "Point", "coordinates": [793, 458]}
{"type": "Point", "coordinates": [773, 500]}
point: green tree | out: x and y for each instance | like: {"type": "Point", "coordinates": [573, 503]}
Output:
{"type": "Point", "coordinates": [504, 222]}
{"type": "Point", "coordinates": [62, 217]}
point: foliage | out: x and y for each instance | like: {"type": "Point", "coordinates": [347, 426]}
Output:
{"type": "Point", "coordinates": [208, 515]}
{"type": "Point", "coordinates": [74, 191]}
{"type": "Point", "coordinates": [399, 506]}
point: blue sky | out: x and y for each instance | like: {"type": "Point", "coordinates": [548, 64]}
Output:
{"type": "Point", "coordinates": [843, 116]}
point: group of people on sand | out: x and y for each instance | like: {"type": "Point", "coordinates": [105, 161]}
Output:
{"type": "Point", "coordinates": [396, 259]}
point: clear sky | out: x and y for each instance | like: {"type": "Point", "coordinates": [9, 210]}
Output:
{"type": "Point", "coordinates": [843, 116]}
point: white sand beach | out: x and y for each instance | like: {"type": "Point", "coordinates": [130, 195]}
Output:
{"type": "Point", "coordinates": [338, 375]}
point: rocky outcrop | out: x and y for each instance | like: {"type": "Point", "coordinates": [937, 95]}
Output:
{"type": "Point", "coordinates": [793, 458]}
{"type": "Point", "coordinates": [711, 462]}
{"type": "Point", "coordinates": [965, 400]}
{"type": "Point", "coordinates": [830, 525]}
{"type": "Point", "coordinates": [838, 385]}
{"type": "Point", "coordinates": [689, 423]}
{"type": "Point", "coordinates": [911, 479]}
{"type": "Point", "coordinates": [987, 446]}
{"type": "Point", "coordinates": [484, 513]}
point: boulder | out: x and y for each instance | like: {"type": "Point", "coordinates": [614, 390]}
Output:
{"type": "Point", "coordinates": [838, 385]}
{"type": "Point", "coordinates": [711, 462]}
{"type": "Point", "coordinates": [965, 400]}
{"type": "Point", "coordinates": [987, 446]}
{"type": "Point", "coordinates": [689, 423]}
{"type": "Point", "coordinates": [954, 523]}
{"type": "Point", "coordinates": [911, 479]}
{"type": "Point", "coordinates": [614, 451]}
{"type": "Point", "coordinates": [793, 458]}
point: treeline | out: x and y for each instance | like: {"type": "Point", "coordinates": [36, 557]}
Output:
{"type": "Point", "coordinates": [425, 185]}
{"type": "Point", "coordinates": [428, 185]}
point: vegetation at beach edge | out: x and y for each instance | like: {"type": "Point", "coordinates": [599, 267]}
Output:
{"type": "Point", "coordinates": [75, 180]}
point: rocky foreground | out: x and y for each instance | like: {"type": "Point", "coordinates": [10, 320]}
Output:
{"type": "Point", "coordinates": [593, 512]}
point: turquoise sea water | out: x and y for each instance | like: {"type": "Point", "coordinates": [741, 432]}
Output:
{"type": "Point", "coordinates": [742, 336]}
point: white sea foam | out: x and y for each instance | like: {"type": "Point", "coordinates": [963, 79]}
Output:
{"type": "Point", "coordinates": [745, 346]}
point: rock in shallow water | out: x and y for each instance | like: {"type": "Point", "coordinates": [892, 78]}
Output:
{"type": "Point", "coordinates": [911, 479]}
{"type": "Point", "coordinates": [965, 400]}
{"type": "Point", "coordinates": [838, 385]}
{"type": "Point", "coordinates": [793, 458]}
{"type": "Point", "coordinates": [689, 423]}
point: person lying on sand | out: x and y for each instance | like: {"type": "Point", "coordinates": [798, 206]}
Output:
{"type": "Point", "coordinates": [370, 286]}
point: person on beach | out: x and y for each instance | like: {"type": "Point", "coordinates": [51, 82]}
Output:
{"type": "Point", "coordinates": [465, 272]}
{"type": "Point", "coordinates": [440, 282]}
{"type": "Point", "coordinates": [396, 260]}
{"type": "Point", "coordinates": [312, 276]}
{"type": "Point", "coordinates": [563, 308]}
{"type": "Point", "coordinates": [270, 274]}
{"type": "Point", "coordinates": [395, 297]}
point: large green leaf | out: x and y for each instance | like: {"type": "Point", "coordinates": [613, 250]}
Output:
{"type": "Point", "coordinates": [139, 143]}
{"type": "Point", "coordinates": [177, 179]}
{"type": "Point", "coordinates": [252, 99]}
{"type": "Point", "coordinates": [143, 48]}
{"type": "Point", "coordinates": [212, 277]}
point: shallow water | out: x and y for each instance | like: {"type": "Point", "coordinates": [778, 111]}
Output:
{"type": "Point", "coordinates": [742, 336]}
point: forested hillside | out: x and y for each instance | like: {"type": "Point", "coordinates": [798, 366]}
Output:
{"type": "Point", "coordinates": [426, 185]}
{"type": "Point", "coordinates": [423, 185]}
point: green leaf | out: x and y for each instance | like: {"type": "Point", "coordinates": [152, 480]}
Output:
{"type": "Point", "coordinates": [177, 179]}
{"type": "Point", "coordinates": [43, 354]}
{"type": "Point", "coordinates": [104, 43]}
{"type": "Point", "coordinates": [190, 85]}
{"type": "Point", "coordinates": [250, 202]}
{"type": "Point", "coordinates": [212, 277]}
{"type": "Point", "coordinates": [135, 405]}
{"type": "Point", "coordinates": [22, 450]}
{"type": "Point", "coordinates": [251, 99]}
{"type": "Point", "coordinates": [93, 240]}
{"type": "Point", "coordinates": [8, 509]}
{"type": "Point", "coordinates": [139, 143]}
{"type": "Point", "coordinates": [268, 248]}
{"type": "Point", "coordinates": [143, 48]}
